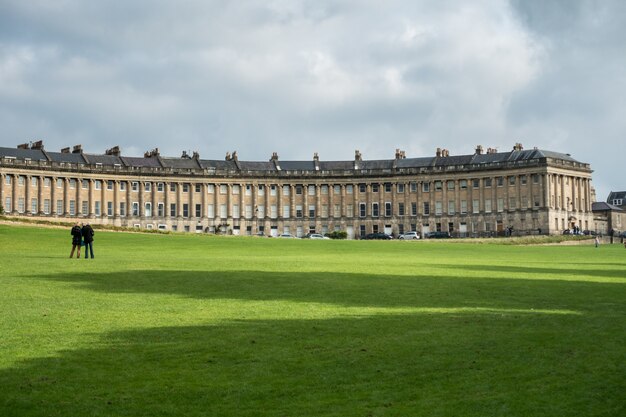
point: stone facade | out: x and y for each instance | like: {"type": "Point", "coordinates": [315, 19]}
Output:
{"type": "Point", "coordinates": [526, 191]}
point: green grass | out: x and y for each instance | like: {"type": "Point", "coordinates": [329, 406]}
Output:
{"type": "Point", "coordinates": [188, 325]}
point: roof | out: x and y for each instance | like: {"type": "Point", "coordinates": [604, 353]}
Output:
{"type": "Point", "coordinates": [185, 162]}
{"type": "Point", "coordinates": [602, 206]}
{"type": "Point", "coordinates": [616, 195]}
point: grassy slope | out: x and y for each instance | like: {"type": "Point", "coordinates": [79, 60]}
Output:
{"type": "Point", "coordinates": [198, 325]}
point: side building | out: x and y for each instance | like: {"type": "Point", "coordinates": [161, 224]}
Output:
{"type": "Point", "coordinates": [483, 194]}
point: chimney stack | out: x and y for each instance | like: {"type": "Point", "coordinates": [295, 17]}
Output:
{"type": "Point", "coordinates": [479, 149]}
{"type": "Point", "coordinates": [77, 149]}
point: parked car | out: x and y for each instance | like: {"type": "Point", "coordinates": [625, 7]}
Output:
{"type": "Point", "coordinates": [287, 236]}
{"type": "Point", "coordinates": [409, 236]}
{"type": "Point", "coordinates": [314, 236]}
{"type": "Point", "coordinates": [376, 236]}
{"type": "Point", "coordinates": [438, 235]}
{"type": "Point", "coordinates": [589, 232]}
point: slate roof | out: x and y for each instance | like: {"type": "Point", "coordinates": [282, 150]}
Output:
{"type": "Point", "coordinates": [230, 165]}
{"type": "Point", "coordinates": [603, 206]}
{"type": "Point", "coordinates": [616, 195]}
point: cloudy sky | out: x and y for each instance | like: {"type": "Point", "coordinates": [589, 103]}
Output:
{"type": "Point", "coordinates": [303, 76]}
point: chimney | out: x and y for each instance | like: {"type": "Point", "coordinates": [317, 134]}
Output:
{"type": "Point", "coordinates": [438, 153]}
{"type": "Point", "coordinates": [479, 149]}
{"type": "Point", "coordinates": [274, 156]}
{"type": "Point", "coordinates": [316, 161]}
{"type": "Point", "coordinates": [357, 155]}
{"type": "Point", "coordinates": [37, 145]}
{"type": "Point", "coordinates": [400, 154]}
{"type": "Point", "coordinates": [22, 146]}
{"type": "Point", "coordinates": [115, 151]}
{"type": "Point", "coordinates": [491, 151]}
{"type": "Point", "coordinates": [77, 149]}
{"type": "Point", "coordinates": [150, 154]}
{"type": "Point", "coordinates": [65, 150]}
{"type": "Point", "coordinates": [196, 155]}
{"type": "Point", "coordinates": [518, 147]}
{"type": "Point", "coordinates": [228, 157]}
{"type": "Point", "coordinates": [185, 155]}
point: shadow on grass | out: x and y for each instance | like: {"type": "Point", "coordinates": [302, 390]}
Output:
{"type": "Point", "coordinates": [407, 365]}
{"type": "Point", "coordinates": [363, 290]}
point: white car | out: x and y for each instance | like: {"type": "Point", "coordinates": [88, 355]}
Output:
{"type": "Point", "coordinates": [287, 236]}
{"type": "Point", "coordinates": [315, 236]}
{"type": "Point", "coordinates": [409, 236]}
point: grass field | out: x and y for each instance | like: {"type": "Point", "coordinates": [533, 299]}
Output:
{"type": "Point", "coordinates": [188, 325]}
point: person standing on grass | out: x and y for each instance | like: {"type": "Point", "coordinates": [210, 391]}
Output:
{"type": "Point", "coordinates": [88, 233]}
{"type": "Point", "coordinates": [597, 241]}
{"type": "Point", "coordinates": [77, 237]}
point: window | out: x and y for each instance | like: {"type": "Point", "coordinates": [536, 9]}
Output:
{"type": "Point", "coordinates": [349, 189]}
{"type": "Point", "coordinates": [46, 181]}
{"type": "Point", "coordinates": [97, 209]}
{"type": "Point", "coordinates": [522, 179]}
{"type": "Point", "coordinates": [413, 187]}
{"type": "Point", "coordinates": [388, 209]}
{"type": "Point", "coordinates": [324, 189]}
{"type": "Point", "coordinates": [312, 210]}
{"type": "Point", "coordinates": [511, 180]}
{"type": "Point", "coordinates": [260, 211]}
{"type": "Point", "coordinates": [375, 212]}
{"type": "Point", "coordinates": [210, 211]}
{"type": "Point", "coordinates": [499, 181]}
{"type": "Point", "coordinates": [198, 210]}
{"type": "Point", "coordinates": [273, 190]}
{"type": "Point", "coordinates": [475, 183]}
{"type": "Point", "coordinates": [59, 183]}
{"type": "Point", "coordinates": [273, 211]}
{"type": "Point", "coordinates": [134, 186]}
{"type": "Point", "coordinates": [198, 189]}
{"type": "Point", "coordinates": [362, 188]}
{"type": "Point", "coordinates": [438, 208]}
{"type": "Point", "coordinates": [60, 209]}
{"type": "Point", "coordinates": [362, 230]}
{"type": "Point", "coordinates": [7, 204]}
{"type": "Point", "coordinates": [512, 203]}
{"type": "Point", "coordinates": [160, 187]}
{"type": "Point", "coordinates": [7, 180]}
{"type": "Point", "coordinates": [450, 185]}
{"type": "Point", "coordinates": [72, 183]}
{"type": "Point", "coordinates": [475, 206]}
{"type": "Point", "coordinates": [185, 188]}
{"type": "Point", "coordinates": [286, 190]}
{"type": "Point", "coordinates": [451, 208]}
{"type": "Point", "coordinates": [185, 208]}
{"type": "Point", "coordinates": [535, 178]}
{"type": "Point", "coordinates": [173, 210]}
{"type": "Point", "coordinates": [135, 208]}
{"type": "Point", "coordinates": [500, 203]}
{"type": "Point", "coordinates": [286, 209]}
{"type": "Point", "coordinates": [362, 209]}
{"type": "Point", "coordinates": [426, 187]}
{"type": "Point", "coordinates": [123, 208]}
{"type": "Point", "coordinates": [438, 185]}
{"type": "Point", "coordinates": [109, 208]}
{"type": "Point", "coordinates": [617, 201]}
{"type": "Point", "coordinates": [172, 187]}
{"type": "Point", "coordinates": [400, 209]}
{"type": "Point", "coordinates": [337, 189]}
{"type": "Point", "coordinates": [488, 206]}
{"type": "Point", "coordinates": [324, 211]}
{"type": "Point", "coordinates": [261, 188]}
{"type": "Point", "coordinates": [487, 182]}
{"type": "Point", "coordinates": [463, 184]}
{"type": "Point", "coordinates": [298, 190]}
{"type": "Point", "coordinates": [123, 186]}
{"type": "Point", "coordinates": [110, 185]}
{"type": "Point", "coordinates": [46, 206]}
{"type": "Point", "coordinates": [337, 210]}
{"type": "Point", "coordinates": [375, 188]}
{"type": "Point", "coordinates": [33, 205]}
{"type": "Point", "coordinates": [463, 206]}
{"type": "Point", "coordinates": [400, 188]}
{"type": "Point", "coordinates": [311, 190]}
{"type": "Point", "coordinates": [536, 201]}
{"type": "Point", "coordinates": [413, 209]}
{"type": "Point", "coordinates": [84, 184]}
{"type": "Point", "coordinates": [20, 205]}
{"type": "Point", "coordinates": [236, 214]}
{"type": "Point", "coordinates": [426, 208]}
{"type": "Point", "coordinates": [299, 211]}
{"type": "Point", "coordinates": [349, 210]}
{"type": "Point", "coordinates": [148, 210]}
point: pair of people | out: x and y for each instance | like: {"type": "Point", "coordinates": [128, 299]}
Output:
{"type": "Point", "coordinates": [80, 235]}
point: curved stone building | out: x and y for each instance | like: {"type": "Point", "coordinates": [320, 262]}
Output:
{"type": "Point", "coordinates": [487, 193]}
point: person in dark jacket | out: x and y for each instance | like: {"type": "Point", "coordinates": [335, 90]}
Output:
{"type": "Point", "coordinates": [88, 233]}
{"type": "Point", "coordinates": [77, 237]}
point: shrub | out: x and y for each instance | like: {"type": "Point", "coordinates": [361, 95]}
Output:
{"type": "Point", "coordinates": [337, 234]}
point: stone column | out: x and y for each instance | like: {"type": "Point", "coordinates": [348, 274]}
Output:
{"type": "Point", "coordinates": [40, 198]}
{"type": "Point", "coordinates": [116, 199]}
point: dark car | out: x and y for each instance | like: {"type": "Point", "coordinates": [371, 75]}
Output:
{"type": "Point", "coordinates": [376, 236]}
{"type": "Point", "coordinates": [438, 235]}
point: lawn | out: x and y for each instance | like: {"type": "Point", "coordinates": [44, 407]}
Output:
{"type": "Point", "coordinates": [196, 325]}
